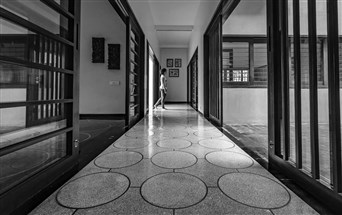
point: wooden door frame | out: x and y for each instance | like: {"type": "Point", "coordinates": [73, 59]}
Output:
{"type": "Point", "coordinates": [223, 11]}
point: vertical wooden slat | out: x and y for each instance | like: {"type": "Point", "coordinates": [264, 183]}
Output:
{"type": "Point", "coordinates": [313, 89]}
{"type": "Point", "coordinates": [285, 75]}
{"type": "Point", "coordinates": [297, 87]}
{"type": "Point", "coordinates": [334, 96]}
{"type": "Point", "coordinates": [251, 62]}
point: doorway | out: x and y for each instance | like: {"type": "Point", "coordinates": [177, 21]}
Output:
{"type": "Point", "coordinates": [244, 77]}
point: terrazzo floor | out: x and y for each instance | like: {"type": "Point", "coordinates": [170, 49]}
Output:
{"type": "Point", "coordinates": [173, 162]}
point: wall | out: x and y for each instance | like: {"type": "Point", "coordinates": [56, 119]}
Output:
{"type": "Point", "coordinates": [249, 14]}
{"type": "Point", "coordinates": [97, 95]}
{"type": "Point", "coordinates": [205, 12]}
{"type": "Point", "coordinates": [249, 106]}
{"type": "Point", "coordinates": [245, 106]}
{"type": "Point", "coordinates": [142, 12]}
{"type": "Point", "coordinates": [176, 86]}
{"type": "Point", "coordinates": [13, 116]}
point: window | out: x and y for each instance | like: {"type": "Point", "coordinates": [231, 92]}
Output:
{"type": "Point", "coordinates": [239, 68]}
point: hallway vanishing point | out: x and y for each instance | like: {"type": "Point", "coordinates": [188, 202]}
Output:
{"type": "Point", "coordinates": [173, 162]}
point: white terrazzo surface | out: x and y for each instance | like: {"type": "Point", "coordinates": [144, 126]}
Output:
{"type": "Point", "coordinates": [173, 169]}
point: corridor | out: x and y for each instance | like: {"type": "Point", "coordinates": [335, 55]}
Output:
{"type": "Point", "coordinates": [173, 162]}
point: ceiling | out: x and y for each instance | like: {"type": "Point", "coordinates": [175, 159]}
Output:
{"type": "Point", "coordinates": [173, 20]}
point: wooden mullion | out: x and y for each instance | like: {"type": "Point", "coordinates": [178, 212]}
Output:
{"type": "Point", "coordinates": [251, 62]}
{"type": "Point", "coordinates": [334, 96]}
{"type": "Point", "coordinates": [28, 103]}
{"type": "Point", "coordinates": [314, 141]}
{"type": "Point", "coordinates": [58, 8]}
{"type": "Point", "coordinates": [34, 65]}
{"type": "Point", "coordinates": [297, 86]}
{"type": "Point", "coordinates": [286, 85]}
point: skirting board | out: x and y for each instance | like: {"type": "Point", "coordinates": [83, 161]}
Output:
{"type": "Point", "coordinates": [102, 116]}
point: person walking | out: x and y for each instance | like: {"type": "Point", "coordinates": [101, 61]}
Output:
{"type": "Point", "coordinates": [162, 89]}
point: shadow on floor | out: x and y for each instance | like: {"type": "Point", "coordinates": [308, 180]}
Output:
{"type": "Point", "coordinates": [96, 135]}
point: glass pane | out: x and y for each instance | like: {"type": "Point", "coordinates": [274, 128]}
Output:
{"type": "Point", "coordinates": [305, 93]}
{"type": "Point", "coordinates": [22, 123]}
{"type": "Point", "coordinates": [25, 162]}
{"type": "Point", "coordinates": [40, 14]}
{"type": "Point", "coordinates": [18, 42]}
{"type": "Point", "coordinates": [291, 73]}
{"type": "Point", "coordinates": [260, 62]}
{"type": "Point", "coordinates": [64, 4]}
{"type": "Point", "coordinates": [323, 97]}
{"type": "Point", "coordinates": [20, 83]}
{"type": "Point", "coordinates": [235, 57]}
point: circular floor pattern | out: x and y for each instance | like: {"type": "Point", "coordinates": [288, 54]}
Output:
{"type": "Point", "coordinates": [118, 159]}
{"type": "Point", "coordinates": [254, 190]}
{"type": "Point", "coordinates": [21, 161]}
{"type": "Point", "coordinates": [93, 190]}
{"type": "Point", "coordinates": [94, 126]}
{"type": "Point", "coordinates": [202, 127]}
{"type": "Point", "coordinates": [172, 134]}
{"type": "Point", "coordinates": [137, 134]}
{"type": "Point", "coordinates": [173, 127]}
{"type": "Point", "coordinates": [208, 134]}
{"type": "Point", "coordinates": [174, 143]}
{"type": "Point", "coordinates": [174, 159]}
{"type": "Point", "coordinates": [84, 137]}
{"type": "Point", "coordinates": [216, 144]}
{"type": "Point", "coordinates": [231, 160]}
{"type": "Point", "coordinates": [173, 190]}
{"type": "Point", "coordinates": [131, 143]}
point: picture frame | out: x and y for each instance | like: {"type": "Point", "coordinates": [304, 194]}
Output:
{"type": "Point", "coordinates": [98, 47]}
{"type": "Point", "coordinates": [173, 72]}
{"type": "Point", "coordinates": [113, 56]}
{"type": "Point", "coordinates": [169, 62]}
{"type": "Point", "coordinates": [178, 62]}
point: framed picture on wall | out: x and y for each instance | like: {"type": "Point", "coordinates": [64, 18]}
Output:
{"type": "Point", "coordinates": [169, 62]}
{"type": "Point", "coordinates": [113, 56]}
{"type": "Point", "coordinates": [173, 72]}
{"type": "Point", "coordinates": [178, 62]}
{"type": "Point", "coordinates": [98, 54]}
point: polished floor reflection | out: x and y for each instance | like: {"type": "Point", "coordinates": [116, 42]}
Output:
{"type": "Point", "coordinates": [173, 162]}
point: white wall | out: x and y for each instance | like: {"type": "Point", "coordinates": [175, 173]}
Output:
{"type": "Point", "coordinates": [176, 86]}
{"type": "Point", "coordinates": [245, 106]}
{"type": "Point", "coordinates": [249, 17]}
{"type": "Point", "coordinates": [13, 116]}
{"type": "Point", "coordinates": [205, 12]}
{"type": "Point", "coordinates": [97, 96]}
{"type": "Point", "coordinates": [142, 12]}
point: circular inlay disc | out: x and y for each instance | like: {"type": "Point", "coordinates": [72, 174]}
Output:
{"type": "Point", "coordinates": [174, 159]}
{"type": "Point", "coordinates": [216, 144]}
{"type": "Point", "coordinates": [174, 143]}
{"type": "Point", "coordinates": [202, 127]}
{"type": "Point", "coordinates": [93, 190]}
{"type": "Point", "coordinates": [172, 134]}
{"type": "Point", "coordinates": [208, 134]}
{"type": "Point", "coordinates": [84, 137]}
{"type": "Point", "coordinates": [173, 190]}
{"type": "Point", "coordinates": [94, 126]}
{"type": "Point", "coordinates": [254, 190]}
{"type": "Point", "coordinates": [230, 160]}
{"type": "Point", "coordinates": [131, 143]}
{"type": "Point", "coordinates": [173, 127]}
{"type": "Point", "coordinates": [138, 133]}
{"type": "Point", "coordinates": [118, 159]}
